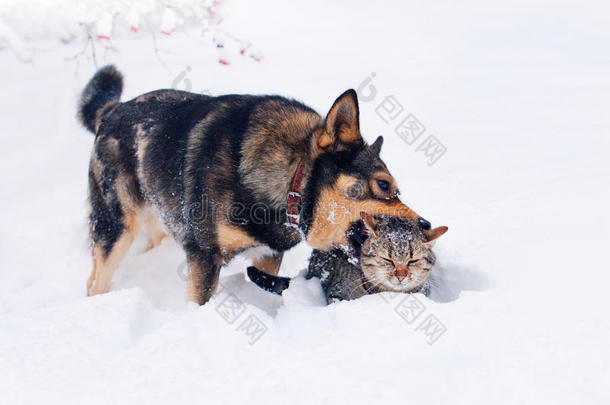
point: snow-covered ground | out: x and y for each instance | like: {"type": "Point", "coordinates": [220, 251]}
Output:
{"type": "Point", "coordinates": [518, 94]}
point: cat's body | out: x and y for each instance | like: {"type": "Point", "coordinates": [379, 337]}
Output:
{"type": "Point", "coordinates": [387, 254]}
{"type": "Point", "coordinates": [342, 278]}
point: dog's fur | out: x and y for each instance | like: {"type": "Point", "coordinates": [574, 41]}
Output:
{"type": "Point", "coordinates": [216, 171]}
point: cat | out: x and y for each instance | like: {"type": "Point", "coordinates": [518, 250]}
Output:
{"type": "Point", "coordinates": [385, 254]}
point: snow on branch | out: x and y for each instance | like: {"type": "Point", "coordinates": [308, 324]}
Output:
{"type": "Point", "coordinates": [24, 24]}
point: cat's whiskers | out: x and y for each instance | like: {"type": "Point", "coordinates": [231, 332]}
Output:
{"type": "Point", "coordinates": [361, 283]}
{"type": "Point", "coordinates": [358, 284]}
{"type": "Point", "coordinates": [433, 283]}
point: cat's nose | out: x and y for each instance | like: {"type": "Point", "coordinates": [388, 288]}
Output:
{"type": "Point", "coordinates": [424, 224]}
{"type": "Point", "coordinates": [400, 275]}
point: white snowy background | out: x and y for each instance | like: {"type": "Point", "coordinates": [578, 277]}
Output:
{"type": "Point", "coordinates": [517, 92]}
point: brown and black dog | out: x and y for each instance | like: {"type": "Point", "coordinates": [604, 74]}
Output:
{"type": "Point", "coordinates": [224, 174]}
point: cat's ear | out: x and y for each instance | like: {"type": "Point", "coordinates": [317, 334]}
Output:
{"type": "Point", "coordinates": [434, 234]}
{"type": "Point", "coordinates": [369, 222]}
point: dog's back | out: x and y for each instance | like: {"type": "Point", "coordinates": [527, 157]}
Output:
{"type": "Point", "coordinates": [191, 160]}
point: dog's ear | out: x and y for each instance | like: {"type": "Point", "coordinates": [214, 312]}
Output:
{"type": "Point", "coordinates": [434, 234]}
{"type": "Point", "coordinates": [376, 146]}
{"type": "Point", "coordinates": [342, 124]}
{"type": "Point", "coordinates": [369, 222]}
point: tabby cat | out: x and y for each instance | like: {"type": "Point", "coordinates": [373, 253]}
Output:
{"type": "Point", "coordinates": [386, 254]}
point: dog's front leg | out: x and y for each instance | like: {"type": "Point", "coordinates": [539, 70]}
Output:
{"type": "Point", "coordinates": [269, 264]}
{"type": "Point", "coordinates": [204, 268]}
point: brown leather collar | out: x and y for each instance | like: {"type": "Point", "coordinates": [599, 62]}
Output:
{"type": "Point", "coordinates": [294, 196]}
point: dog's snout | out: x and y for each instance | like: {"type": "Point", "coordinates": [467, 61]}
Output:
{"type": "Point", "coordinates": [424, 224]}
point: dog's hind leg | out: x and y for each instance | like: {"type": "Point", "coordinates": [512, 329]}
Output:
{"type": "Point", "coordinates": [106, 259]}
{"type": "Point", "coordinates": [113, 222]}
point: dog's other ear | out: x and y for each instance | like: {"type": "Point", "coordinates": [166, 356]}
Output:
{"type": "Point", "coordinates": [376, 146]}
{"type": "Point", "coordinates": [369, 222]}
{"type": "Point", "coordinates": [434, 234]}
{"type": "Point", "coordinates": [342, 124]}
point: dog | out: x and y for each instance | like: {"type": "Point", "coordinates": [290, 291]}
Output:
{"type": "Point", "coordinates": [225, 174]}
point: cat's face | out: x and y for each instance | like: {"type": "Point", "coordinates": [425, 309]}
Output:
{"type": "Point", "coordinates": [397, 255]}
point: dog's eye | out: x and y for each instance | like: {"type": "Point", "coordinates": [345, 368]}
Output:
{"type": "Point", "coordinates": [384, 185]}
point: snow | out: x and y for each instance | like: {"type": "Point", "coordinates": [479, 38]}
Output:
{"type": "Point", "coordinates": [516, 93]}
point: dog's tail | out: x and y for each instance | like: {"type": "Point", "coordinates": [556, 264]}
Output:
{"type": "Point", "coordinates": [105, 87]}
{"type": "Point", "coordinates": [268, 282]}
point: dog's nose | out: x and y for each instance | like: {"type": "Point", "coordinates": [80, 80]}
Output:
{"type": "Point", "coordinates": [424, 224]}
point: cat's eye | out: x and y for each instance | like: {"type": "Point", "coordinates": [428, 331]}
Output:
{"type": "Point", "coordinates": [389, 261]}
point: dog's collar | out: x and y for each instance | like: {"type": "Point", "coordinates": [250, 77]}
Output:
{"type": "Point", "coordinates": [293, 207]}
